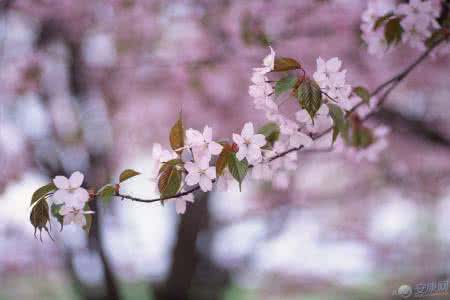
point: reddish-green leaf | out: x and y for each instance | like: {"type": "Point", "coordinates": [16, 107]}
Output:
{"type": "Point", "coordinates": [309, 96]}
{"type": "Point", "coordinates": [393, 31]}
{"type": "Point", "coordinates": [127, 174]}
{"type": "Point", "coordinates": [169, 181]}
{"type": "Point", "coordinates": [286, 64]}
{"type": "Point", "coordinates": [223, 158]}
{"type": "Point", "coordinates": [176, 136]}
{"type": "Point", "coordinates": [362, 93]}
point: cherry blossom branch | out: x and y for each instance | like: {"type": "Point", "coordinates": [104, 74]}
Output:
{"type": "Point", "coordinates": [390, 84]}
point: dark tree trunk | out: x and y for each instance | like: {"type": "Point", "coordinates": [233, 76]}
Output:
{"type": "Point", "coordinates": [192, 274]}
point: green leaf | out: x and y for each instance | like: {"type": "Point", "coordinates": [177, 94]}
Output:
{"type": "Point", "coordinates": [393, 31]}
{"type": "Point", "coordinates": [39, 217]}
{"type": "Point", "coordinates": [285, 84]}
{"type": "Point", "coordinates": [174, 162]}
{"type": "Point", "coordinates": [127, 174]}
{"type": "Point", "coordinates": [362, 93]}
{"type": "Point", "coordinates": [169, 180]}
{"type": "Point", "coordinates": [238, 169]}
{"type": "Point", "coordinates": [271, 131]}
{"type": "Point", "coordinates": [309, 96]}
{"type": "Point", "coordinates": [54, 209]}
{"type": "Point", "coordinates": [380, 21]}
{"type": "Point", "coordinates": [42, 192]}
{"type": "Point", "coordinates": [88, 217]}
{"type": "Point", "coordinates": [282, 64]}
{"type": "Point", "coordinates": [339, 122]}
{"type": "Point", "coordinates": [362, 137]}
{"type": "Point", "coordinates": [176, 136]}
{"type": "Point", "coordinates": [107, 192]}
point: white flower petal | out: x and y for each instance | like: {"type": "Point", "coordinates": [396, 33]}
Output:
{"type": "Point", "coordinates": [211, 172]}
{"type": "Point", "coordinates": [205, 183]}
{"type": "Point", "coordinates": [194, 137]}
{"type": "Point", "coordinates": [238, 139]}
{"type": "Point", "coordinates": [302, 116]}
{"type": "Point", "coordinates": [188, 197]}
{"type": "Point", "coordinates": [215, 148]}
{"type": "Point", "coordinates": [81, 195]}
{"type": "Point", "coordinates": [203, 163]}
{"type": "Point", "coordinates": [242, 153]}
{"type": "Point", "coordinates": [76, 179]}
{"type": "Point", "coordinates": [61, 182]}
{"type": "Point", "coordinates": [333, 65]}
{"type": "Point", "coordinates": [201, 153]}
{"type": "Point", "coordinates": [180, 206]}
{"type": "Point", "coordinates": [61, 196]}
{"type": "Point", "coordinates": [254, 152]}
{"type": "Point", "coordinates": [65, 210]}
{"type": "Point", "coordinates": [258, 140]}
{"type": "Point", "coordinates": [247, 131]}
{"type": "Point", "coordinates": [192, 178]}
{"type": "Point", "coordinates": [207, 134]}
{"type": "Point", "coordinates": [191, 167]}
{"type": "Point", "coordinates": [269, 60]}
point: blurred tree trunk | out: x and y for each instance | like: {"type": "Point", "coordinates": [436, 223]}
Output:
{"type": "Point", "coordinates": [192, 274]}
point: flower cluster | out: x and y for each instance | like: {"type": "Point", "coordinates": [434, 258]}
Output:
{"type": "Point", "coordinates": [192, 164]}
{"type": "Point", "coordinates": [413, 23]}
{"type": "Point", "coordinates": [332, 81]}
{"type": "Point", "coordinates": [418, 21]}
{"type": "Point", "coordinates": [70, 199]}
{"type": "Point", "coordinates": [327, 88]}
{"type": "Point", "coordinates": [261, 90]}
{"type": "Point", "coordinates": [375, 40]}
{"type": "Point", "coordinates": [249, 144]}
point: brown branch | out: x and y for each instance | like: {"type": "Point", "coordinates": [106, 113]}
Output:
{"type": "Point", "coordinates": [387, 86]}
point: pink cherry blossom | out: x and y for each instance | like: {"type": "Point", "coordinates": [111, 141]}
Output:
{"type": "Point", "coordinates": [249, 143]}
{"type": "Point", "coordinates": [202, 143]}
{"type": "Point", "coordinates": [70, 191]}
{"type": "Point", "coordinates": [180, 203]}
{"type": "Point", "coordinates": [74, 215]}
{"type": "Point", "coordinates": [199, 172]}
